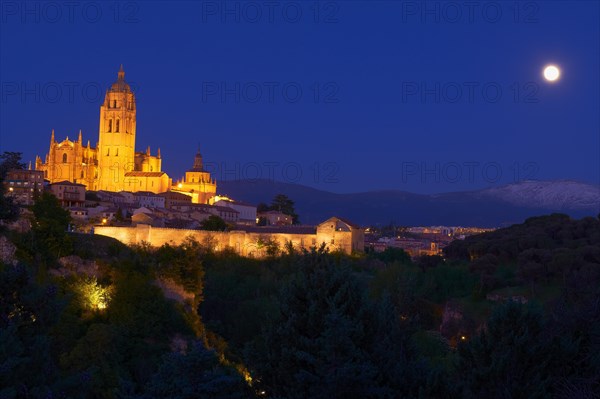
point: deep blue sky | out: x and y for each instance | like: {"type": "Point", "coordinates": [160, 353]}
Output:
{"type": "Point", "coordinates": [372, 126]}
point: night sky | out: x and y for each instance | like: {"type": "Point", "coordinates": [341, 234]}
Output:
{"type": "Point", "coordinates": [345, 96]}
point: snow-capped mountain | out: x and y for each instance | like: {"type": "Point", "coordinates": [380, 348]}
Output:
{"type": "Point", "coordinates": [559, 195]}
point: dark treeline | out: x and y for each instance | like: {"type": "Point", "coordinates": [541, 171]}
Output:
{"type": "Point", "coordinates": [509, 314]}
{"type": "Point", "coordinates": [373, 326]}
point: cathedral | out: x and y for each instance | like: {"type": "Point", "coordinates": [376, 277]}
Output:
{"type": "Point", "coordinates": [113, 165]}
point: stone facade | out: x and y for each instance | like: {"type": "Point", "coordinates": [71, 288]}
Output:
{"type": "Point", "coordinates": [336, 233]}
{"type": "Point", "coordinates": [69, 194]}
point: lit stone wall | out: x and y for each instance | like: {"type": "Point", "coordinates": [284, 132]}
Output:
{"type": "Point", "coordinates": [244, 243]}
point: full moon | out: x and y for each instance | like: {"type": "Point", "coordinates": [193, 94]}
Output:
{"type": "Point", "coordinates": [551, 73]}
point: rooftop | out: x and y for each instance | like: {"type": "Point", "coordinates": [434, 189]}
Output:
{"type": "Point", "coordinates": [67, 183]}
{"type": "Point", "coordinates": [144, 174]}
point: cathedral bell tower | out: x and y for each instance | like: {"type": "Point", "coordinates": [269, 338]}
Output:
{"type": "Point", "coordinates": [116, 146]}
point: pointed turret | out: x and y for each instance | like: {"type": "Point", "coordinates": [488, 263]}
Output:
{"type": "Point", "coordinates": [88, 146]}
{"type": "Point", "coordinates": [79, 140]}
{"type": "Point", "coordinates": [29, 165]}
{"type": "Point", "coordinates": [121, 74]}
{"type": "Point", "coordinates": [158, 153]}
{"type": "Point", "coordinates": [148, 151]}
{"type": "Point", "coordinates": [198, 161]}
{"type": "Point", "coordinates": [52, 137]}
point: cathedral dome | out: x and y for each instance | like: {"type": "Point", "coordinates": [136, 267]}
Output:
{"type": "Point", "coordinates": [120, 85]}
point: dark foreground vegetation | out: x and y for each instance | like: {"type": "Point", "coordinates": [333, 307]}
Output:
{"type": "Point", "coordinates": [509, 314]}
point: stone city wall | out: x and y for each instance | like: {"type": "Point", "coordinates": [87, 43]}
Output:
{"type": "Point", "coordinates": [244, 243]}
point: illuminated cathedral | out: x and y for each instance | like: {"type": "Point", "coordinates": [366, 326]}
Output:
{"type": "Point", "coordinates": [113, 164]}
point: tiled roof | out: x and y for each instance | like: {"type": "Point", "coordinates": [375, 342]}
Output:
{"type": "Point", "coordinates": [144, 174]}
{"type": "Point", "coordinates": [67, 183]}
{"type": "Point", "coordinates": [225, 209]}
{"type": "Point", "coordinates": [349, 223]}
{"type": "Point", "coordinates": [145, 193]}
{"type": "Point", "coordinates": [238, 203]}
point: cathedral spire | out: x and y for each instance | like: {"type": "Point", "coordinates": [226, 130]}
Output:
{"type": "Point", "coordinates": [121, 74]}
{"type": "Point", "coordinates": [158, 153]}
{"type": "Point", "coordinates": [79, 140]}
{"type": "Point", "coordinates": [52, 137]}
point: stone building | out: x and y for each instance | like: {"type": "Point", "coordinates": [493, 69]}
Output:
{"type": "Point", "coordinates": [275, 218]}
{"type": "Point", "coordinates": [69, 194]}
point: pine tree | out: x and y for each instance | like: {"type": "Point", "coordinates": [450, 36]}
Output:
{"type": "Point", "coordinates": [329, 340]}
{"type": "Point", "coordinates": [510, 358]}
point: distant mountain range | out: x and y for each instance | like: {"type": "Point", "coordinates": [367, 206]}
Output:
{"type": "Point", "coordinates": [491, 207]}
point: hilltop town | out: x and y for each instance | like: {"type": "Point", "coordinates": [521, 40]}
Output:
{"type": "Point", "coordinates": [113, 190]}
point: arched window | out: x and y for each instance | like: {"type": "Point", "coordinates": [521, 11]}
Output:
{"type": "Point", "coordinates": [82, 174]}
{"type": "Point", "coordinates": [114, 103]}
{"type": "Point", "coordinates": [117, 154]}
{"type": "Point", "coordinates": [118, 123]}
{"type": "Point", "coordinates": [110, 125]}
{"type": "Point", "coordinates": [64, 158]}
{"type": "Point", "coordinates": [107, 151]}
